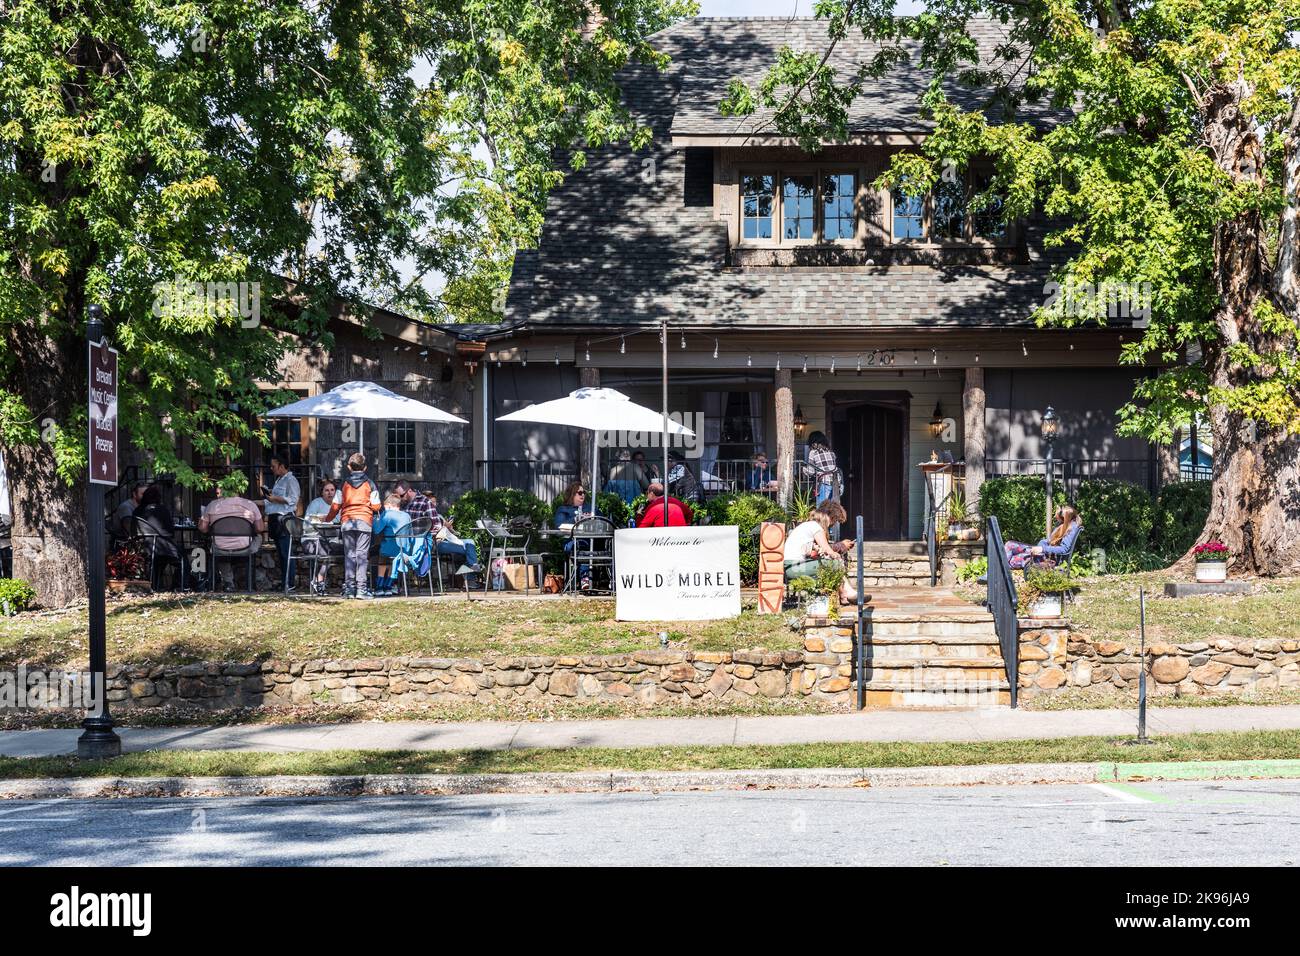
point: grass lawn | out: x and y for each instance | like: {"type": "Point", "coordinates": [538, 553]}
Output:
{"type": "Point", "coordinates": [1254, 745]}
{"type": "Point", "coordinates": [210, 628]}
{"type": "Point", "coordinates": [1106, 608]}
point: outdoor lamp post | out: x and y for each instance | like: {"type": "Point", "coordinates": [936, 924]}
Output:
{"type": "Point", "coordinates": [1050, 424]}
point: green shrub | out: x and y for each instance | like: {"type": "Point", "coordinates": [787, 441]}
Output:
{"type": "Point", "coordinates": [1181, 510]}
{"type": "Point", "coordinates": [974, 569]}
{"type": "Point", "coordinates": [1134, 560]}
{"type": "Point", "coordinates": [1117, 515]}
{"type": "Point", "coordinates": [746, 510]}
{"type": "Point", "coordinates": [499, 503]}
{"type": "Point", "coordinates": [1020, 504]}
{"type": "Point", "coordinates": [1039, 582]}
{"type": "Point", "coordinates": [17, 594]}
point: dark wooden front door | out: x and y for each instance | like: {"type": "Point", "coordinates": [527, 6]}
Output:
{"type": "Point", "coordinates": [871, 441]}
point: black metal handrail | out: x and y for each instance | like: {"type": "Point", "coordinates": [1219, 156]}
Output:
{"type": "Point", "coordinates": [1002, 601]}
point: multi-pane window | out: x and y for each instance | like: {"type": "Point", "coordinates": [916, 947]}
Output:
{"type": "Point", "coordinates": [909, 216]}
{"type": "Point", "coordinates": [399, 449]}
{"type": "Point", "coordinates": [839, 211]}
{"type": "Point", "coordinates": [987, 220]}
{"type": "Point", "coordinates": [945, 214]}
{"type": "Point", "coordinates": [797, 208]}
{"type": "Point", "coordinates": [949, 210]}
{"type": "Point", "coordinates": [810, 205]}
{"type": "Point", "coordinates": [757, 206]}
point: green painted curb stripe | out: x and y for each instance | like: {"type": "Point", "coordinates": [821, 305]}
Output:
{"type": "Point", "coordinates": [1198, 770]}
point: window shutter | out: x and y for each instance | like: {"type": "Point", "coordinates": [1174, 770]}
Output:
{"type": "Point", "coordinates": [697, 190]}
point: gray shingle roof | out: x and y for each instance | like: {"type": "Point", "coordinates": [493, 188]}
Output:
{"type": "Point", "coordinates": [747, 48]}
{"type": "Point", "coordinates": [619, 245]}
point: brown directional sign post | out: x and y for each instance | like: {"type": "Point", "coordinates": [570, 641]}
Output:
{"type": "Point", "coordinates": [98, 739]}
{"type": "Point", "coordinates": [103, 414]}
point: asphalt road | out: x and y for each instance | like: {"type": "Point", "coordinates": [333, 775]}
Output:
{"type": "Point", "coordinates": [1226, 823]}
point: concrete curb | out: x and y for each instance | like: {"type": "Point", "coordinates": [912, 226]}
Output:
{"type": "Point", "coordinates": [626, 781]}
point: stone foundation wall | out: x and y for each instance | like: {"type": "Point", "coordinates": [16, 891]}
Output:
{"type": "Point", "coordinates": [1053, 659]}
{"type": "Point", "coordinates": [647, 677]}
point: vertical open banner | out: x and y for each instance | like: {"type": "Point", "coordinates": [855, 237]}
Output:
{"type": "Point", "coordinates": [102, 401]}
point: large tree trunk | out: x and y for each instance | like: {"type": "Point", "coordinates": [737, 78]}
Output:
{"type": "Point", "coordinates": [49, 530]}
{"type": "Point", "coordinates": [1255, 505]}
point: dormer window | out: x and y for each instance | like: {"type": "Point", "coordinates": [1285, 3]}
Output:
{"type": "Point", "coordinates": [813, 205]}
{"type": "Point", "coordinates": [944, 216]}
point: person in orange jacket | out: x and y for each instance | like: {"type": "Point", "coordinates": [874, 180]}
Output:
{"type": "Point", "coordinates": [355, 502]}
{"type": "Point", "coordinates": [679, 513]}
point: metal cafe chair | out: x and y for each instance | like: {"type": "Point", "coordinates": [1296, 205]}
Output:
{"type": "Point", "coordinates": [232, 526]}
{"type": "Point", "coordinates": [326, 547]}
{"type": "Point", "coordinates": [416, 545]}
{"type": "Point", "coordinates": [593, 547]}
{"type": "Point", "coordinates": [160, 547]}
{"type": "Point", "coordinates": [506, 542]}
{"type": "Point", "coordinates": [293, 525]}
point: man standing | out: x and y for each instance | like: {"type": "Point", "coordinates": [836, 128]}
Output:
{"type": "Point", "coordinates": [282, 501]}
{"type": "Point", "coordinates": [224, 506]}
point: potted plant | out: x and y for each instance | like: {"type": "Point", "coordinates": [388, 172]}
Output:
{"type": "Point", "coordinates": [126, 569]}
{"type": "Point", "coordinates": [959, 517]}
{"type": "Point", "coordinates": [1211, 562]}
{"type": "Point", "coordinates": [819, 594]}
{"type": "Point", "coordinates": [1043, 593]}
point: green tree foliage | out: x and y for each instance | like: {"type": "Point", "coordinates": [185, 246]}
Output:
{"type": "Point", "coordinates": [1180, 514]}
{"type": "Point", "coordinates": [1170, 166]}
{"type": "Point", "coordinates": [1117, 515]}
{"type": "Point", "coordinates": [316, 151]}
{"type": "Point", "coordinates": [1020, 505]}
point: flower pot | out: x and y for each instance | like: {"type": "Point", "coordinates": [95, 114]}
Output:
{"type": "Point", "coordinates": [1047, 605]}
{"type": "Point", "coordinates": [819, 606]}
{"type": "Point", "coordinates": [128, 586]}
{"type": "Point", "coordinates": [1211, 572]}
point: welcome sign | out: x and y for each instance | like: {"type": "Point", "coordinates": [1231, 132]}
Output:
{"type": "Point", "coordinates": [677, 574]}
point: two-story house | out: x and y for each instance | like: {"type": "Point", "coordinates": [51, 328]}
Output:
{"type": "Point", "coordinates": [798, 297]}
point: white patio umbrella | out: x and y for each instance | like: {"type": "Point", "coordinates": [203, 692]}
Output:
{"type": "Point", "coordinates": [362, 401]}
{"type": "Point", "coordinates": [599, 410]}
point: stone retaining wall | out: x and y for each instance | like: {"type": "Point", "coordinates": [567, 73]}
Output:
{"type": "Point", "coordinates": [647, 677]}
{"type": "Point", "coordinates": [1054, 659]}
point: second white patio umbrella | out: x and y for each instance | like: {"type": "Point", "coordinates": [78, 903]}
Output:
{"type": "Point", "coordinates": [364, 401]}
{"type": "Point", "coordinates": [599, 410]}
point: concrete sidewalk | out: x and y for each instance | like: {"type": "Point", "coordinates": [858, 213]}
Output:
{"type": "Point", "coordinates": [879, 725]}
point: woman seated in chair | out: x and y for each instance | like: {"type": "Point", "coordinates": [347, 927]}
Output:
{"type": "Point", "coordinates": [1050, 550]}
{"type": "Point", "coordinates": [808, 547]}
{"type": "Point", "coordinates": [570, 513]}
{"type": "Point", "coordinates": [153, 519]}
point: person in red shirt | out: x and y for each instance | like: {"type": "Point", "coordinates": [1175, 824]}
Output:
{"type": "Point", "coordinates": [679, 513]}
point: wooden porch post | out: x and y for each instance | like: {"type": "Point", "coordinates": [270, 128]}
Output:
{"type": "Point", "coordinates": [784, 437]}
{"type": "Point", "coordinates": [588, 377]}
{"type": "Point", "coordinates": [972, 406]}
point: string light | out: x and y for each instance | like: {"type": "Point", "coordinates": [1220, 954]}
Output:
{"type": "Point", "coordinates": [715, 348]}
{"type": "Point", "coordinates": [805, 365]}
{"type": "Point", "coordinates": [557, 356]}
{"type": "Point", "coordinates": [525, 358]}
{"type": "Point", "coordinates": [934, 356]}
{"type": "Point", "coordinates": [859, 363]}
{"type": "Point", "coordinates": [778, 361]}
{"type": "Point", "coordinates": [1023, 350]}
{"type": "Point", "coordinates": [683, 340]}
{"type": "Point", "coordinates": [749, 361]}
{"type": "Point", "coordinates": [977, 358]}
{"type": "Point", "coordinates": [914, 358]}
{"type": "Point", "coordinates": [622, 345]}
{"type": "Point", "coordinates": [832, 364]}
{"type": "Point", "coordinates": [588, 350]}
